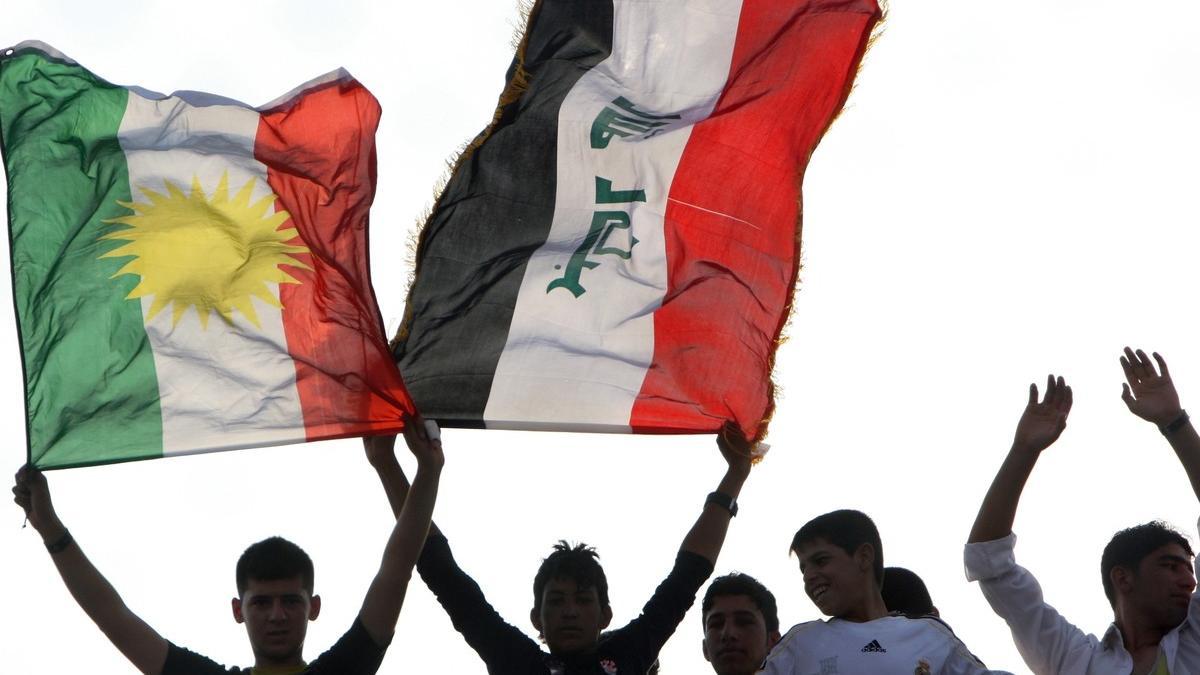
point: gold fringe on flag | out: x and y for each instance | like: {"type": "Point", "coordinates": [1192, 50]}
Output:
{"type": "Point", "coordinates": [781, 335]}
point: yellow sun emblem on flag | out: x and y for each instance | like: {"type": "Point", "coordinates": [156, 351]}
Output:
{"type": "Point", "coordinates": [214, 254]}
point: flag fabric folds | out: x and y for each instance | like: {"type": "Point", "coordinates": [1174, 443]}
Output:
{"type": "Point", "coordinates": [618, 250]}
{"type": "Point", "coordinates": [190, 273]}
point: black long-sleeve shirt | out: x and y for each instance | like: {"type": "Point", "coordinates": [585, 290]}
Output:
{"type": "Point", "coordinates": [630, 650]}
{"type": "Point", "coordinates": [355, 654]}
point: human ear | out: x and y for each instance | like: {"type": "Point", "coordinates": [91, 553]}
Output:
{"type": "Point", "coordinates": [772, 640]}
{"type": "Point", "coordinates": [607, 614]}
{"type": "Point", "coordinates": [1122, 578]}
{"type": "Point", "coordinates": [536, 619]}
{"type": "Point", "coordinates": [865, 556]}
{"type": "Point", "coordinates": [704, 648]}
{"type": "Point", "coordinates": [236, 605]}
{"type": "Point", "coordinates": [314, 607]}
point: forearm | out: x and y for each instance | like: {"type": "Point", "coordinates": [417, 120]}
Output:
{"type": "Point", "coordinates": [999, 508]}
{"type": "Point", "coordinates": [385, 597]}
{"type": "Point", "coordinates": [395, 484]}
{"type": "Point", "coordinates": [495, 640]}
{"type": "Point", "coordinates": [136, 640]}
{"type": "Point", "coordinates": [1186, 444]}
{"type": "Point", "coordinates": [708, 534]}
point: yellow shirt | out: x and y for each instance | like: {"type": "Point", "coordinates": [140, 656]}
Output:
{"type": "Point", "coordinates": [1160, 665]}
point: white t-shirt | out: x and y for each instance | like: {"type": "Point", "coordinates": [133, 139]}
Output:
{"type": "Point", "coordinates": [893, 644]}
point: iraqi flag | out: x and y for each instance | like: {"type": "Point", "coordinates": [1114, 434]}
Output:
{"type": "Point", "coordinates": [618, 250]}
{"type": "Point", "coordinates": [190, 273]}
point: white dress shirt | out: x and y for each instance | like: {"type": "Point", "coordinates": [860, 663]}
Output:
{"type": "Point", "coordinates": [1049, 643]}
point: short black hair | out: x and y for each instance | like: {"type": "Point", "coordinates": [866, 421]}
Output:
{"type": "Point", "coordinates": [272, 559]}
{"type": "Point", "coordinates": [847, 529]}
{"type": "Point", "coordinates": [1129, 547]}
{"type": "Point", "coordinates": [737, 583]}
{"type": "Point", "coordinates": [905, 592]}
{"type": "Point", "coordinates": [579, 563]}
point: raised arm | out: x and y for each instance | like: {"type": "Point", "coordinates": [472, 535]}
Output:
{"type": "Point", "coordinates": [1040, 425]}
{"type": "Point", "coordinates": [484, 629]}
{"type": "Point", "coordinates": [708, 534]}
{"type": "Point", "coordinates": [381, 453]}
{"type": "Point", "coordinates": [1151, 396]}
{"type": "Point", "coordinates": [381, 607]}
{"type": "Point", "coordinates": [140, 643]}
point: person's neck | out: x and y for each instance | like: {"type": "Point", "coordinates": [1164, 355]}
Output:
{"type": "Point", "coordinates": [1137, 632]}
{"type": "Point", "coordinates": [869, 609]}
{"type": "Point", "coordinates": [575, 654]}
{"type": "Point", "coordinates": [269, 666]}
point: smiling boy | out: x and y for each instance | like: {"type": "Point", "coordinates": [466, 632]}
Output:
{"type": "Point", "coordinates": [841, 559]}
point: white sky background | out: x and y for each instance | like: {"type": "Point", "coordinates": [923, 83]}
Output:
{"type": "Point", "coordinates": [1009, 192]}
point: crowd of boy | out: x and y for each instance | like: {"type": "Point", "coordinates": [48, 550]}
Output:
{"type": "Point", "coordinates": [880, 620]}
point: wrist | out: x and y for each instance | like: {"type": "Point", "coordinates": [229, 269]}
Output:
{"type": "Point", "coordinates": [1024, 454]}
{"type": "Point", "coordinates": [738, 472]}
{"type": "Point", "coordinates": [1169, 424]}
{"type": "Point", "coordinates": [50, 530]}
{"type": "Point", "coordinates": [59, 543]}
{"type": "Point", "coordinates": [723, 500]}
{"type": "Point", "coordinates": [387, 462]}
{"type": "Point", "coordinates": [430, 466]}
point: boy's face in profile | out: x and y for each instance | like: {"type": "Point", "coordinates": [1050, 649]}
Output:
{"type": "Point", "coordinates": [1163, 585]}
{"type": "Point", "coordinates": [276, 614]}
{"type": "Point", "coordinates": [570, 618]}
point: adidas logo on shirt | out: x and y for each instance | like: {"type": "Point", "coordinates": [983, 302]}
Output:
{"type": "Point", "coordinates": [874, 647]}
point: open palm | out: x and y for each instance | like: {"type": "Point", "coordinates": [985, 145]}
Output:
{"type": "Point", "coordinates": [1148, 393]}
{"type": "Point", "coordinates": [1042, 423]}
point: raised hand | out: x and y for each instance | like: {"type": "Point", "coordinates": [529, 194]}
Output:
{"type": "Point", "coordinates": [31, 493]}
{"type": "Point", "coordinates": [424, 441]}
{"type": "Point", "coordinates": [1148, 393]}
{"type": "Point", "coordinates": [735, 448]}
{"type": "Point", "coordinates": [381, 450]}
{"type": "Point", "coordinates": [1042, 423]}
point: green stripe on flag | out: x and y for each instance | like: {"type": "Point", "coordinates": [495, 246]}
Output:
{"type": "Point", "coordinates": [91, 389]}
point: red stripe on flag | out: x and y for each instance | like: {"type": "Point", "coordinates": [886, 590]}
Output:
{"type": "Point", "coordinates": [319, 149]}
{"type": "Point", "coordinates": [731, 224]}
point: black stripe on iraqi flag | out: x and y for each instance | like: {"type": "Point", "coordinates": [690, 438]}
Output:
{"type": "Point", "coordinates": [493, 215]}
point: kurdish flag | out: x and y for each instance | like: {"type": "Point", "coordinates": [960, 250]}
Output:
{"type": "Point", "coordinates": [190, 273]}
{"type": "Point", "coordinates": [618, 250]}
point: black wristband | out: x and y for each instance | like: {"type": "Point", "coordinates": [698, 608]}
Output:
{"type": "Point", "coordinates": [1175, 424]}
{"type": "Point", "coordinates": [59, 545]}
{"type": "Point", "coordinates": [724, 501]}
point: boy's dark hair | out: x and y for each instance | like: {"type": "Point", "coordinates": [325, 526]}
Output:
{"type": "Point", "coordinates": [579, 563]}
{"type": "Point", "coordinates": [272, 559]}
{"type": "Point", "coordinates": [1130, 546]}
{"type": "Point", "coordinates": [905, 592]}
{"type": "Point", "coordinates": [737, 583]}
{"type": "Point", "coordinates": [847, 529]}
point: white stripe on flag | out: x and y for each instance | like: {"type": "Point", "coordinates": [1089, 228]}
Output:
{"type": "Point", "coordinates": [220, 387]}
{"type": "Point", "coordinates": [573, 359]}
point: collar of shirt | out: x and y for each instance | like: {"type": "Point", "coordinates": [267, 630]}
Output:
{"type": "Point", "coordinates": [1114, 641]}
{"type": "Point", "coordinates": [1112, 638]}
